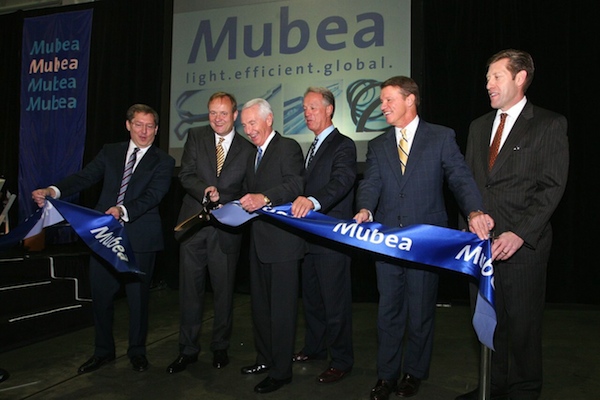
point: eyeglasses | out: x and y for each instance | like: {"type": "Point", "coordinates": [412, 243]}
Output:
{"type": "Point", "coordinates": [140, 126]}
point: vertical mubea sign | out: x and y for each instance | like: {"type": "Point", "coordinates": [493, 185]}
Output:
{"type": "Point", "coordinates": [54, 81]}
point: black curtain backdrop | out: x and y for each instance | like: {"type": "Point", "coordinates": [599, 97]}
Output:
{"type": "Point", "coordinates": [452, 40]}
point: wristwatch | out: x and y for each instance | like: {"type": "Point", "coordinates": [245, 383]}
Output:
{"type": "Point", "coordinates": [267, 201]}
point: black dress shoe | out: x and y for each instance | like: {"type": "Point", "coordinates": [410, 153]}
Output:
{"type": "Point", "coordinates": [270, 385]}
{"type": "Point", "coordinates": [255, 369]}
{"type": "Point", "coordinates": [409, 386]}
{"type": "Point", "coordinates": [181, 362]}
{"type": "Point", "coordinates": [474, 395]}
{"type": "Point", "coordinates": [94, 363]}
{"type": "Point", "coordinates": [220, 358]}
{"type": "Point", "coordinates": [139, 363]}
{"type": "Point", "coordinates": [383, 389]}
{"type": "Point", "coordinates": [3, 375]}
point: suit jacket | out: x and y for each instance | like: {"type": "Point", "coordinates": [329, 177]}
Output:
{"type": "Point", "coordinates": [279, 177]}
{"type": "Point", "coordinates": [148, 185]}
{"type": "Point", "coordinates": [199, 171]}
{"type": "Point", "coordinates": [528, 178]}
{"type": "Point", "coordinates": [417, 197]}
{"type": "Point", "coordinates": [330, 179]}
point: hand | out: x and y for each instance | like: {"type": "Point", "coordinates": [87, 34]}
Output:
{"type": "Point", "coordinates": [363, 216]}
{"type": "Point", "coordinates": [480, 224]}
{"type": "Point", "coordinates": [506, 245]}
{"type": "Point", "coordinates": [301, 206]}
{"type": "Point", "coordinates": [253, 201]}
{"type": "Point", "coordinates": [115, 212]}
{"type": "Point", "coordinates": [39, 195]}
{"type": "Point", "coordinates": [213, 194]}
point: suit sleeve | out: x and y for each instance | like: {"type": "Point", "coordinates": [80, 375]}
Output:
{"type": "Point", "coordinates": [369, 188]}
{"type": "Point", "coordinates": [459, 177]}
{"type": "Point", "coordinates": [552, 164]}
{"type": "Point", "coordinates": [91, 174]}
{"type": "Point", "coordinates": [342, 177]}
{"type": "Point", "coordinates": [188, 175]}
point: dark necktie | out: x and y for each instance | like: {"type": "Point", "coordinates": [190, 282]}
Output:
{"type": "Point", "coordinates": [259, 154]}
{"type": "Point", "coordinates": [495, 147]}
{"type": "Point", "coordinates": [127, 176]}
{"type": "Point", "coordinates": [312, 151]}
{"type": "Point", "coordinates": [220, 156]}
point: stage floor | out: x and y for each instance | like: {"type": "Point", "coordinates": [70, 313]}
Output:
{"type": "Point", "coordinates": [47, 370]}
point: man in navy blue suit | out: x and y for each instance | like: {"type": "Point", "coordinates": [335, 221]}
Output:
{"type": "Point", "coordinates": [404, 185]}
{"type": "Point", "coordinates": [329, 174]}
{"type": "Point", "coordinates": [137, 208]}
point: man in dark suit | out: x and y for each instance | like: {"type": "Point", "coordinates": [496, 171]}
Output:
{"type": "Point", "coordinates": [406, 189]}
{"type": "Point", "coordinates": [329, 174]}
{"type": "Point", "coordinates": [214, 162]}
{"type": "Point", "coordinates": [137, 209]}
{"type": "Point", "coordinates": [522, 178]}
{"type": "Point", "coordinates": [274, 177]}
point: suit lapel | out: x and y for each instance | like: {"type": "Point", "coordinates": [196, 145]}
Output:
{"type": "Point", "coordinates": [268, 153]}
{"type": "Point", "coordinates": [210, 149]}
{"type": "Point", "coordinates": [484, 150]}
{"type": "Point", "coordinates": [321, 151]}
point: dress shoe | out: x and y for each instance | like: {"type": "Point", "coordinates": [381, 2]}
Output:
{"type": "Point", "coordinates": [302, 357]}
{"type": "Point", "coordinates": [139, 363]}
{"type": "Point", "coordinates": [331, 375]}
{"type": "Point", "coordinates": [383, 389]}
{"type": "Point", "coordinates": [94, 363]}
{"type": "Point", "coordinates": [270, 385]}
{"type": "Point", "coordinates": [474, 395]}
{"type": "Point", "coordinates": [181, 362]}
{"type": "Point", "coordinates": [409, 386]}
{"type": "Point", "coordinates": [3, 375]}
{"type": "Point", "coordinates": [220, 358]}
{"type": "Point", "coordinates": [255, 369]}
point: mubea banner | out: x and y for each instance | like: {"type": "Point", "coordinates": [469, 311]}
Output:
{"type": "Point", "coordinates": [276, 49]}
{"type": "Point", "coordinates": [54, 81]}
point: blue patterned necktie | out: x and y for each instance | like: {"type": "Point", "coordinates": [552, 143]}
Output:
{"type": "Point", "coordinates": [127, 176]}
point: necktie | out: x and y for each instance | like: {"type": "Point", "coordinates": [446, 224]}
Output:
{"type": "Point", "coordinates": [259, 154]}
{"type": "Point", "coordinates": [312, 151]}
{"type": "Point", "coordinates": [220, 156]}
{"type": "Point", "coordinates": [495, 147]}
{"type": "Point", "coordinates": [127, 176]}
{"type": "Point", "coordinates": [403, 150]}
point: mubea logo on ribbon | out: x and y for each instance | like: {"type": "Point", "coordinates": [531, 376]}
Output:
{"type": "Point", "coordinates": [103, 234]}
{"type": "Point", "coordinates": [440, 247]}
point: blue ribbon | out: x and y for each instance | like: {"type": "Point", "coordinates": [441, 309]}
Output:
{"type": "Point", "coordinates": [440, 247]}
{"type": "Point", "coordinates": [103, 234]}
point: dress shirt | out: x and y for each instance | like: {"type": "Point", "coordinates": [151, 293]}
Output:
{"type": "Point", "coordinates": [511, 117]}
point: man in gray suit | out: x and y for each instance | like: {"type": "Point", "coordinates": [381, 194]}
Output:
{"type": "Point", "coordinates": [402, 190]}
{"type": "Point", "coordinates": [274, 178]}
{"type": "Point", "coordinates": [522, 177]}
{"type": "Point", "coordinates": [213, 164]}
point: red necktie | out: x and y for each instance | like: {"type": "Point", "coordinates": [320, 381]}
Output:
{"type": "Point", "coordinates": [495, 147]}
